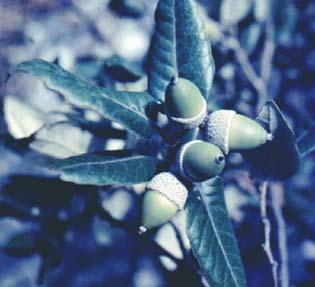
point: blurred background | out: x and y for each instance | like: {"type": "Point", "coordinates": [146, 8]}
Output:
{"type": "Point", "coordinates": [51, 232]}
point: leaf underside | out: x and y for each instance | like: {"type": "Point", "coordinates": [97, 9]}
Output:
{"type": "Point", "coordinates": [126, 108]}
{"type": "Point", "coordinates": [179, 46]}
{"type": "Point", "coordinates": [278, 159]}
{"type": "Point", "coordinates": [212, 238]}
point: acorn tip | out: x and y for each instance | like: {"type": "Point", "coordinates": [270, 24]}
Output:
{"type": "Point", "coordinates": [269, 137]}
{"type": "Point", "coordinates": [142, 229]}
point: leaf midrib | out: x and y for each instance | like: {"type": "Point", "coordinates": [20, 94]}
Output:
{"type": "Point", "coordinates": [103, 162]}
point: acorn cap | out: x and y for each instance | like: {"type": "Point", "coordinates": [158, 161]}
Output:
{"type": "Point", "coordinates": [217, 126]}
{"type": "Point", "coordinates": [184, 103]}
{"type": "Point", "coordinates": [169, 186]}
{"type": "Point", "coordinates": [199, 161]}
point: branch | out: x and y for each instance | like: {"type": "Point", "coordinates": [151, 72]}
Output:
{"type": "Point", "coordinates": [266, 60]}
{"type": "Point", "coordinates": [268, 53]}
{"type": "Point", "coordinates": [233, 44]}
{"type": "Point", "coordinates": [259, 81]}
{"type": "Point", "coordinates": [277, 198]}
{"type": "Point", "coordinates": [267, 230]}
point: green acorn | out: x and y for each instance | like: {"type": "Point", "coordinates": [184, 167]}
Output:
{"type": "Point", "coordinates": [164, 196]}
{"type": "Point", "coordinates": [231, 131]}
{"type": "Point", "coordinates": [199, 161]}
{"type": "Point", "coordinates": [184, 103]}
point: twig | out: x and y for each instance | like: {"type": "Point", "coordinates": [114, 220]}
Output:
{"type": "Point", "coordinates": [268, 52]}
{"type": "Point", "coordinates": [259, 81]}
{"type": "Point", "coordinates": [267, 230]}
{"type": "Point", "coordinates": [277, 199]}
{"type": "Point", "coordinates": [266, 61]}
{"type": "Point", "coordinates": [233, 44]}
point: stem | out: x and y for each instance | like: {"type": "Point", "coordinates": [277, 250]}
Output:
{"type": "Point", "coordinates": [277, 198]}
{"type": "Point", "coordinates": [267, 230]}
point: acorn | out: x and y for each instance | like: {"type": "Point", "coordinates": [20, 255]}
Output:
{"type": "Point", "coordinates": [184, 103]}
{"type": "Point", "coordinates": [165, 195]}
{"type": "Point", "coordinates": [234, 132]}
{"type": "Point", "coordinates": [199, 161]}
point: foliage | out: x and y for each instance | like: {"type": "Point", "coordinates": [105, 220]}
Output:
{"type": "Point", "coordinates": [210, 232]}
{"type": "Point", "coordinates": [63, 177]}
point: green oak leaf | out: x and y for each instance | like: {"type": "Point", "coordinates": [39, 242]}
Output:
{"type": "Point", "coordinates": [179, 46]}
{"type": "Point", "coordinates": [127, 108]}
{"type": "Point", "coordinates": [212, 238]}
{"type": "Point", "coordinates": [108, 167]}
{"type": "Point", "coordinates": [278, 159]}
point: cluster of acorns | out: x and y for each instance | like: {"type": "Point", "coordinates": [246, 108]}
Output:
{"type": "Point", "coordinates": [197, 160]}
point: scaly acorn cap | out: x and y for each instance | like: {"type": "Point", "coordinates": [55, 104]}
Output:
{"type": "Point", "coordinates": [165, 195]}
{"type": "Point", "coordinates": [184, 103]}
{"type": "Point", "coordinates": [199, 161]}
{"type": "Point", "coordinates": [231, 131]}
